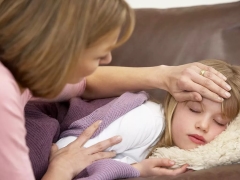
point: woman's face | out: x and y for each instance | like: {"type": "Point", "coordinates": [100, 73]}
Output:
{"type": "Point", "coordinates": [197, 123]}
{"type": "Point", "coordinates": [94, 56]}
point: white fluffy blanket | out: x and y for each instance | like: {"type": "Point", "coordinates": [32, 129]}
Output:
{"type": "Point", "coordinates": [223, 150]}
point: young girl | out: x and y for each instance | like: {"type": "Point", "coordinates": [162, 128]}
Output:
{"type": "Point", "coordinates": [186, 124]}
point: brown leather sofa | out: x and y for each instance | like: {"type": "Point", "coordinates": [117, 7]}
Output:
{"type": "Point", "coordinates": [182, 35]}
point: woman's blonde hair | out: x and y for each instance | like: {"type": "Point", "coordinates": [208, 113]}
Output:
{"type": "Point", "coordinates": [41, 41]}
{"type": "Point", "coordinates": [230, 106]}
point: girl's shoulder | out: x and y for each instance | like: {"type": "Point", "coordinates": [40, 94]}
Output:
{"type": "Point", "coordinates": [155, 108]}
{"type": "Point", "coordinates": [147, 118]}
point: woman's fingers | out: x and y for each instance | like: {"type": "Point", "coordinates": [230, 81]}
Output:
{"type": "Point", "coordinates": [217, 82]}
{"type": "Point", "coordinates": [207, 84]}
{"type": "Point", "coordinates": [76, 157]}
{"type": "Point", "coordinates": [210, 69]}
{"type": "Point", "coordinates": [188, 96]}
{"type": "Point", "coordinates": [213, 79]}
{"type": "Point", "coordinates": [101, 146]}
{"type": "Point", "coordinates": [203, 80]}
{"type": "Point", "coordinates": [87, 134]}
{"type": "Point", "coordinates": [102, 155]}
{"type": "Point", "coordinates": [204, 87]}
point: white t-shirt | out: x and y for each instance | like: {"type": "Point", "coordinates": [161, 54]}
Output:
{"type": "Point", "coordinates": [140, 129]}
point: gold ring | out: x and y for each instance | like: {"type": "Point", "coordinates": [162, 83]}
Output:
{"type": "Point", "coordinates": [202, 72]}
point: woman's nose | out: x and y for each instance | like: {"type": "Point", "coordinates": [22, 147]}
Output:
{"type": "Point", "coordinates": [202, 124]}
{"type": "Point", "coordinates": [106, 60]}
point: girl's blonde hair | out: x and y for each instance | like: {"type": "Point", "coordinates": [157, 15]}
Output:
{"type": "Point", "coordinates": [230, 106]}
{"type": "Point", "coordinates": [41, 41]}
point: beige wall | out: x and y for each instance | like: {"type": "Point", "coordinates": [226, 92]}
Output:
{"type": "Point", "coordinates": [173, 3]}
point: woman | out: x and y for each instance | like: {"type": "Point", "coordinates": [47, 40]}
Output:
{"type": "Point", "coordinates": [46, 44]}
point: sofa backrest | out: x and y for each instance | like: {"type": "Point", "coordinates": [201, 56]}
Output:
{"type": "Point", "coordinates": [182, 35]}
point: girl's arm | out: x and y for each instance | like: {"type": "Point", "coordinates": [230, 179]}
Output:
{"type": "Point", "coordinates": [158, 167]}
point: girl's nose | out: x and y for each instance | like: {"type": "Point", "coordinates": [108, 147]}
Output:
{"type": "Point", "coordinates": [203, 124]}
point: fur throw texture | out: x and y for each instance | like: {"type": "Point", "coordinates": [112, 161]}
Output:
{"type": "Point", "coordinates": [223, 150]}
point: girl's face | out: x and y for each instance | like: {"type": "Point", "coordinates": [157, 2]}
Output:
{"type": "Point", "coordinates": [197, 123]}
{"type": "Point", "coordinates": [94, 56]}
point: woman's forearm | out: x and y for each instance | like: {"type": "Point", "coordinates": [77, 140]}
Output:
{"type": "Point", "coordinates": [184, 82]}
{"type": "Point", "coordinates": [113, 81]}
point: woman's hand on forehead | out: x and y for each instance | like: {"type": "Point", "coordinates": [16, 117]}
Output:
{"type": "Point", "coordinates": [189, 83]}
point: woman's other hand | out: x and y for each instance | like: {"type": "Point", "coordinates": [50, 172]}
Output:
{"type": "Point", "coordinates": [194, 81]}
{"type": "Point", "coordinates": [67, 162]}
{"type": "Point", "coordinates": [158, 167]}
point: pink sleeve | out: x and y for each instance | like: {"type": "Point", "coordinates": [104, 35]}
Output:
{"type": "Point", "coordinates": [72, 90]}
{"type": "Point", "coordinates": [15, 162]}
{"type": "Point", "coordinates": [69, 91]}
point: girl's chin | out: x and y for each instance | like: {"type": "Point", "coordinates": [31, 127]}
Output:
{"type": "Point", "coordinates": [187, 147]}
{"type": "Point", "coordinates": [190, 147]}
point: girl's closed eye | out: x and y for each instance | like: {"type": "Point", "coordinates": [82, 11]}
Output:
{"type": "Point", "coordinates": [194, 107]}
{"type": "Point", "coordinates": [218, 123]}
{"type": "Point", "coordinates": [194, 110]}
